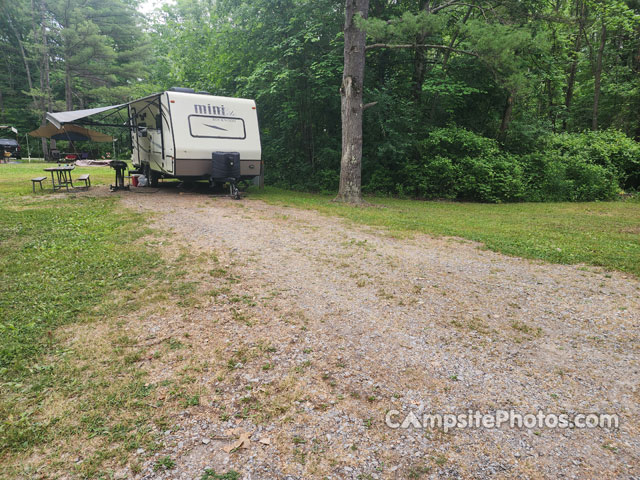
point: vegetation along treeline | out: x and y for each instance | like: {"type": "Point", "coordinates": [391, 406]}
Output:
{"type": "Point", "coordinates": [496, 100]}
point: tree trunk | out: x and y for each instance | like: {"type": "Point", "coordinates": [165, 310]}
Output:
{"type": "Point", "coordinates": [419, 69]}
{"type": "Point", "coordinates": [573, 69]}
{"type": "Point", "coordinates": [352, 107]}
{"type": "Point", "coordinates": [45, 85]}
{"type": "Point", "coordinates": [68, 94]}
{"type": "Point", "coordinates": [506, 115]}
{"type": "Point", "coordinates": [571, 80]}
{"type": "Point", "coordinates": [24, 60]}
{"type": "Point", "coordinates": [598, 77]}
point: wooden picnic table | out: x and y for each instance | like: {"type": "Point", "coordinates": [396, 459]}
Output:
{"type": "Point", "coordinates": [61, 173]}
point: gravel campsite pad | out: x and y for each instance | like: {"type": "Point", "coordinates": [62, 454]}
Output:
{"type": "Point", "coordinates": [312, 329]}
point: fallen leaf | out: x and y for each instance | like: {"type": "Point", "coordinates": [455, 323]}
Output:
{"type": "Point", "coordinates": [265, 441]}
{"type": "Point", "coordinates": [242, 442]}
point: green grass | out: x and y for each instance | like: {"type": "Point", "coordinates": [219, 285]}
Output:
{"type": "Point", "coordinates": [63, 260]}
{"type": "Point", "coordinates": [15, 178]}
{"type": "Point", "coordinates": [57, 260]}
{"type": "Point", "coordinates": [605, 234]}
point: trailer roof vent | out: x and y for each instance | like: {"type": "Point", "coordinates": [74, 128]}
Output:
{"type": "Point", "coordinates": [182, 89]}
{"type": "Point", "coordinates": [203, 92]}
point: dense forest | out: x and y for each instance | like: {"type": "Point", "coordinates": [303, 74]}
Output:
{"type": "Point", "coordinates": [486, 100]}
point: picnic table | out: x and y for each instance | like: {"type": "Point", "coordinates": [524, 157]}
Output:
{"type": "Point", "coordinates": [61, 176]}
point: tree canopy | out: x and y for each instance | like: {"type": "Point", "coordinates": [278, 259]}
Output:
{"type": "Point", "coordinates": [483, 99]}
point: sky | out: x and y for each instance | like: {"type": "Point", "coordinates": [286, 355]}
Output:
{"type": "Point", "coordinates": [149, 6]}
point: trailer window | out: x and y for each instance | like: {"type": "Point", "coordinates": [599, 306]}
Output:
{"type": "Point", "coordinates": [217, 127]}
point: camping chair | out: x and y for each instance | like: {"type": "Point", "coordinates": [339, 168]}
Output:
{"type": "Point", "coordinates": [54, 154]}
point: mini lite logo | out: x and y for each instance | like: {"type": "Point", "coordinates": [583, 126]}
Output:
{"type": "Point", "coordinates": [210, 109]}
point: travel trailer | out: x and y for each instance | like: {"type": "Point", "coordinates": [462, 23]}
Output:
{"type": "Point", "coordinates": [185, 134]}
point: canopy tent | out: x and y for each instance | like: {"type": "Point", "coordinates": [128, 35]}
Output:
{"type": "Point", "coordinates": [73, 133]}
{"type": "Point", "coordinates": [13, 129]}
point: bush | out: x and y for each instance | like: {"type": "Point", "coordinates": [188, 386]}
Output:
{"type": "Point", "coordinates": [456, 142]}
{"type": "Point", "coordinates": [456, 163]}
{"type": "Point", "coordinates": [559, 178]}
{"type": "Point", "coordinates": [492, 179]}
{"type": "Point", "coordinates": [611, 149]}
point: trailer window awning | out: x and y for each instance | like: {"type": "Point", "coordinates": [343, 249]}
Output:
{"type": "Point", "coordinates": [61, 118]}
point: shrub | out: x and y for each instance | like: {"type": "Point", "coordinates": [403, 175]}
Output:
{"type": "Point", "coordinates": [434, 178]}
{"type": "Point", "coordinates": [611, 149]}
{"type": "Point", "coordinates": [456, 142]}
{"type": "Point", "coordinates": [495, 179]}
{"type": "Point", "coordinates": [557, 178]}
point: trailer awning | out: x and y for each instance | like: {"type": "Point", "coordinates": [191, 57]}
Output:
{"type": "Point", "coordinates": [60, 118]}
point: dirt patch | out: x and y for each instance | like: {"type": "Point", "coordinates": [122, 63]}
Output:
{"type": "Point", "coordinates": [306, 330]}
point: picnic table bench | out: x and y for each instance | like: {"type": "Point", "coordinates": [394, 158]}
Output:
{"type": "Point", "coordinates": [87, 181]}
{"type": "Point", "coordinates": [39, 180]}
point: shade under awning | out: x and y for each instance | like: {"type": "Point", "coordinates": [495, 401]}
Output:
{"type": "Point", "coordinates": [60, 118]}
{"type": "Point", "coordinates": [72, 133]}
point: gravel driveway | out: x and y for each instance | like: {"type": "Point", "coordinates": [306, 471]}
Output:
{"type": "Point", "coordinates": [326, 326]}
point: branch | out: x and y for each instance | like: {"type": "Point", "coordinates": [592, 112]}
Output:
{"type": "Point", "coordinates": [369, 105]}
{"type": "Point", "coordinates": [450, 3]}
{"type": "Point", "coordinates": [420, 45]}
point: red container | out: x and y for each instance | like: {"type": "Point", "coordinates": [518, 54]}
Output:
{"type": "Point", "coordinates": [134, 180]}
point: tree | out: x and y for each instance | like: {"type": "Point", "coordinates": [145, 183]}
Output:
{"type": "Point", "coordinates": [352, 107]}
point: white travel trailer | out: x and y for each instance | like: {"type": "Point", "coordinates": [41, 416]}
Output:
{"type": "Point", "coordinates": [185, 134]}
{"type": "Point", "coordinates": [188, 135]}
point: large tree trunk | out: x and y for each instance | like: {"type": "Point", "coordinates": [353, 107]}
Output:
{"type": "Point", "coordinates": [598, 77]}
{"type": "Point", "coordinates": [352, 107]}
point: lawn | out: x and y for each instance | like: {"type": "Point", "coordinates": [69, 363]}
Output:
{"type": "Point", "coordinates": [605, 234]}
{"type": "Point", "coordinates": [64, 260]}
{"type": "Point", "coordinates": [15, 177]}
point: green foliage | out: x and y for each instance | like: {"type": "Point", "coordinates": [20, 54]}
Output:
{"type": "Point", "coordinates": [611, 149]}
{"type": "Point", "coordinates": [164, 463]}
{"type": "Point", "coordinates": [454, 163]}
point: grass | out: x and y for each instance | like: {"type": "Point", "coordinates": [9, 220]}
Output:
{"type": "Point", "coordinates": [15, 177]}
{"type": "Point", "coordinates": [604, 234]}
{"type": "Point", "coordinates": [68, 260]}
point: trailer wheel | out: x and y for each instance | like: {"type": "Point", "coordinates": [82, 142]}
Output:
{"type": "Point", "coordinates": [235, 193]}
{"type": "Point", "coordinates": [152, 177]}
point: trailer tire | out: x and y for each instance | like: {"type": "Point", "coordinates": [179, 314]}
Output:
{"type": "Point", "coordinates": [152, 177]}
